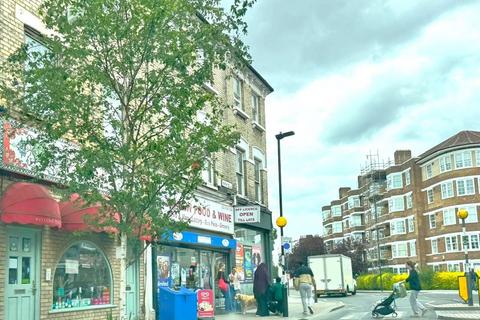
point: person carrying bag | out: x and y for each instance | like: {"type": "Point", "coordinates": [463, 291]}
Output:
{"type": "Point", "coordinates": [306, 282]}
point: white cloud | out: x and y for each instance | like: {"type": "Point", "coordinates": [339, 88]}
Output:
{"type": "Point", "coordinates": [408, 96]}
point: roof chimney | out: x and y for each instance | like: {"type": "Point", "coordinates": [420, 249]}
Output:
{"type": "Point", "coordinates": [401, 156]}
{"type": "Point", "coordinates": [342, 192]}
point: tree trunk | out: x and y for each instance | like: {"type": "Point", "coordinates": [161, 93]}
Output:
{"type": "Point", "coordinates": [123, 272]}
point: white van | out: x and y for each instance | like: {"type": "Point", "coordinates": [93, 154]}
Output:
{"type": "Point", "coordinates": [333, 274]}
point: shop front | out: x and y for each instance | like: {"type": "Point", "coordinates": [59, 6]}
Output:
{"type": "Point", "coordinates": [54, 267]}
{"type": "Point", "coordinates": [253, 226]}
{"type": "Point", "coordinates": [194, 258]}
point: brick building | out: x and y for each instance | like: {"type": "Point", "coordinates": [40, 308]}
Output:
{"type": "Point", "coordinates": [40, 260]}
{"type": "Point", "coordinates": [411, 205]}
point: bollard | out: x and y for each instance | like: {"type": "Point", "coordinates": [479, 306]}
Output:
{"type": "Point", "coordinates": [285, 301]}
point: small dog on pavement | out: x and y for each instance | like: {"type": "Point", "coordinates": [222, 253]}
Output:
{"type": "Point", "coordinates": [245, 301]}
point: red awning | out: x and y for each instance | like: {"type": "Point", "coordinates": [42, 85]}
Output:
{"type": "Point", "coordinates": [75, 214]}
{"type": "Point", "coordinates": [29, 203]}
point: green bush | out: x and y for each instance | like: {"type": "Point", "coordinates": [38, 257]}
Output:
{"type": "Point", "coordinates": [428, 278]}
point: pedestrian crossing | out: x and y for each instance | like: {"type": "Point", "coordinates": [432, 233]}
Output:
{"type": "Point", "coordinates": [368, 315]}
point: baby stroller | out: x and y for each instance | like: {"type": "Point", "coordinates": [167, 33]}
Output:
{"type": "Point", "coordinates": [384, 307]}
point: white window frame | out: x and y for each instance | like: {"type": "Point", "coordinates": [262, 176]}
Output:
{"type": "Point", "coordinates": [409, 200]}
{"type": "Point", "coordinates": [407, 177]}
{"type": "Point", "coordinates": [396, 204]}
{"type": "Point", "coordinates": [432, 220]}
{"type": "Point", "coordinates": [238, 93]}
{"type": "Point", "coordinates": [411, 224]}
{"type": "Point", "coordinates": [413, 248]}
{"type": "Point", "coordinates": [463, 159]}
{"type": "Point", "coordinates": [240, 171]}
{"type": "Point", "coordinates": [429, 170]}
{"type": "Point", "coordinates": [472, 214]}
{"type": "Point", "coordinates": [430, 196]}
{"type": "Point", "coordinates": [256, 108]}
{"type": "Point", "coordinates": [336, 211]}
{"type": "Point", "coordinates": [446, 163]}
{"type": "Point", "coordinates": [477, 156]}
{"type": "Point", "coordinates": [326, 214]}
{"type": "Point", "coordinates": [337, 227]}
{"type": "Point", "coordinates": [449, 217]}
{"type": "Point", "coordinates": [434, 245]}
{"type": "Point", "coordinates": [208, 172]}
{"type": "Point", "coordinates": [396, 250]}
{"type": "Point", "coordinates": [451, 244]}
{"type": "Point", "coordinates": [447, 189]}
{"type": "Point", "coordinates": [355, 220]}
{"type": "Point", "coordinates": [397, 227]}
{"type": "Point", "coordinates": [453, 266]}
{"type": "Point", "coordinates": [258, 180]}
{"type": "Point", "coordinates": [465, 187]}
{"type": "Point", "coordinates": [396, 181]}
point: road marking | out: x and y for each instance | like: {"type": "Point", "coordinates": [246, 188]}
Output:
{"type": "Point", "coordinates": [367, 315]}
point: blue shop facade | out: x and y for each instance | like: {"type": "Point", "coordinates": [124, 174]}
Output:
{"type": "Point", "coordinates": [192, 258]}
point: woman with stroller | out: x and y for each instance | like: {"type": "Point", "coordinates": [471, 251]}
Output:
{"type": "Point", "coordinates": [415, 288]}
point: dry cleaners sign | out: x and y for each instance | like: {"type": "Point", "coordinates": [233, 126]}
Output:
{"type": "Point", "coordinates": [247, 214]}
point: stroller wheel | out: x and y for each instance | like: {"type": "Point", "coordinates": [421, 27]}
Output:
{"type": "Point", "coordinates": [374, 315]}
{"type": "Point", "coordinates": [394, 314]}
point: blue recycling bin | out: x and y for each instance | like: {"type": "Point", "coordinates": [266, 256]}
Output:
{"type": "Point", "coordinates": [176, 305]}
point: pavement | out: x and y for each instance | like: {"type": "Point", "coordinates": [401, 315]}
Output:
{"type": "Point", "coordinates": [295, 310]}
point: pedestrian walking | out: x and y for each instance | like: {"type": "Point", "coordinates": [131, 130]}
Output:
{"type": "Point", "coordinates": [261, 283]}
{"type": "Point", "coordinates": [304, 278]}
{"type": "Point", "coordinates": [223, 285]}
{"type": "Point", "coordinates": [234, 278]}
{"type": "Point", "coordinates": [415, 287]}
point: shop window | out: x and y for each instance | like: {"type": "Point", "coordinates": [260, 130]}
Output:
{"type": "Point", "coordinates": [82, 278]}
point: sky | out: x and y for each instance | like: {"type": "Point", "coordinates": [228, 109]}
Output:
{"type": "Point", "coordinates": [359, 77]}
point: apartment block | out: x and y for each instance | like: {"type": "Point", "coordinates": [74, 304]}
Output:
{"type": "Point", "coordinates": [407, 209]}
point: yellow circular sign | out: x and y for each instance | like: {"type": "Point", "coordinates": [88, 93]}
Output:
{"type": "Point", "coordinates": [462, 213]}
{"type": "Point", "coordinates": [281, 222]}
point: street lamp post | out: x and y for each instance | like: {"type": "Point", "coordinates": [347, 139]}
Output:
{"type": "Point", "coordinates": [281, 221]}
{"type": "Point", "coordinates": [463, 214]}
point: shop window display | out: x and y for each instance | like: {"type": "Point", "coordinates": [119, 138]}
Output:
{"type": "Point", "coordinates": [82, 278]}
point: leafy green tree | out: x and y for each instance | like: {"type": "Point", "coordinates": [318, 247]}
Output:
{"type": "Point", "coordinates": [119, 107]}
{"type": "Point", "coordinates": [310, 245]}
{"type": "Point", "coordinates": [356, 250]}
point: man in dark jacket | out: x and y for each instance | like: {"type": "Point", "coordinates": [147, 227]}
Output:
{"type": "Point", "coordinates": [415, 288]}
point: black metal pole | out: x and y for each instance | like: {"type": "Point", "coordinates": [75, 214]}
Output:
{"type": "Point", "coordinates": [284, 289]}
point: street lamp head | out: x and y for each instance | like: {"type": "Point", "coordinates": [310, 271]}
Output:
{"type": "Point", "coordinates": [281, 135]}
{"type": "Point", "coordinates": [462, 213]}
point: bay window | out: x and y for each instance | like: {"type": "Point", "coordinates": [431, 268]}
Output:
{"type": "Point", "coordinates": [447, 189]}
{"type": "Point", "coordinates": [396, 204]}
{"type": "Point", "coordinates": [399, 250]}
{"type": "Point", "coordinates": [446, 163]}
{"type": "Point", "coordinates": [451, 243]}
{"type": "Point", "coordinates": [449, 217]}
{"type": "Point", "coordinates": [394, 181]}
{"type": "Point", "coordinates": [409, 199]}
{"type": "Point", "coordinates": [465, 187]}
{"type": "Point", "coordinates": [397, 227]}
{"type": "Point", "coordinates": [472, 214]}
{"type": "Point", "coordinates": [463, 159]}
{"type": "Point", "coordinates": [337, 227]}
{"type": "Point", "coordinates": [429, 171]}
{"type": "Point", "coordinates": [336, 211]}
{"type": "Point", "coordinates": [407, 177]}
